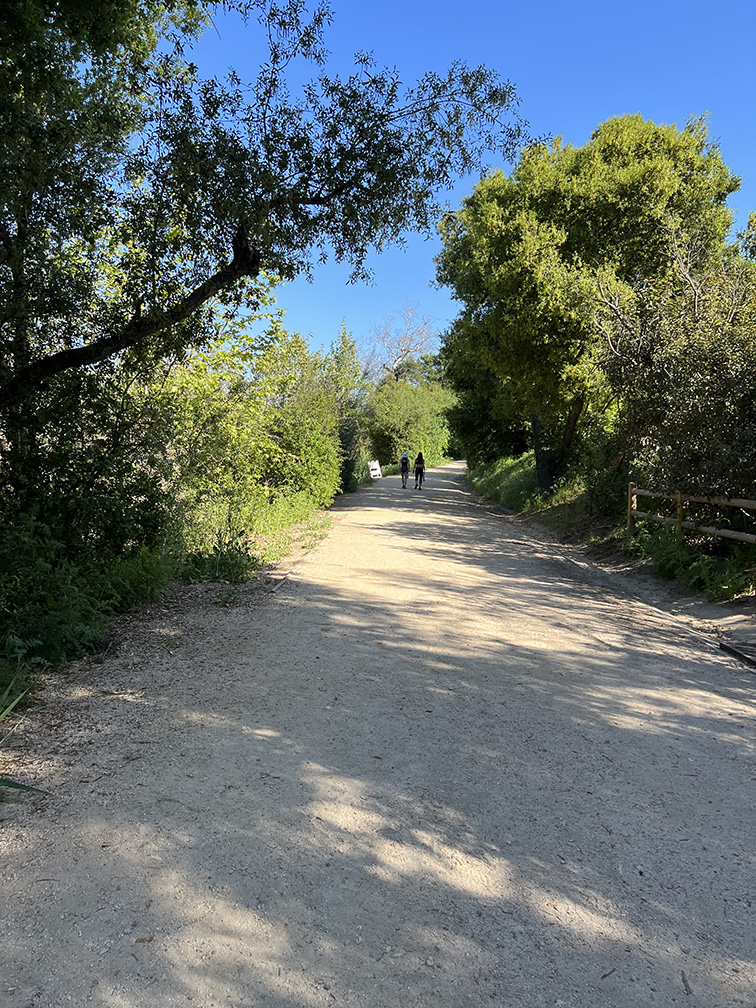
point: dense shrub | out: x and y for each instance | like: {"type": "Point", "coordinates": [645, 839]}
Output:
{"type": "Point", "coordinates": [195, 470]}
{"type": "Point", "coordinates": [54, 606]}
{"type": "Point", "coordinates": [409, 416]}
{"type": "Point", "coordinates": [713, 567]}
{"type": "Point", "coordinates": [510, 481]}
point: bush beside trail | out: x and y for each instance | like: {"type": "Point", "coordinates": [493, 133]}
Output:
{"type": "Point", "coordinates": [593, 512]}
{"type": "Point", "coordinates": [201, 470]}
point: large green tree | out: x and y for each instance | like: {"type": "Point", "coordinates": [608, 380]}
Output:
{"type": "Point", "coordinates": [409, 412]}
{"type": "Point", "coordinates": [525, 253]}
{"type": "Point", "coordinates": [679, 352]}
{"type": "Point", "coordinates": [345, 378]}
{"type": "Point", "coordinates": [134, 192]}
{"type": "Point", "coordinates": [142, 209]}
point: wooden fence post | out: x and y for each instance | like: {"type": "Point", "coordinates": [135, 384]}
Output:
{"type": "Point", "coordinates": [680, 522]}
{"type": "Point", "coordinates": [632, 504]}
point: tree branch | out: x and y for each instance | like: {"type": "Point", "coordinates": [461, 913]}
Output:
{"type": "Point", "coordinates": [246, 262]}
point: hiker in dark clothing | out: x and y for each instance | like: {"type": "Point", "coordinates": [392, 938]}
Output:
{"type": "Point", "coordinates": [404, 469]}
{"type": "Point", "coordinates": [419, 471]}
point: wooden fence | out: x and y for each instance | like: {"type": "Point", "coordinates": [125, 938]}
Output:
{"type": "Point", "coordinates": [680, 522]}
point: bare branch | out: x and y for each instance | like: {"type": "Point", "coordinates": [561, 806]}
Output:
{"type": "Point", "coordinates": [394, 342]}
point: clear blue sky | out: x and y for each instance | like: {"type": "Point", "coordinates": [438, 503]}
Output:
{"type": "Point", "coordinates": [574, 65]}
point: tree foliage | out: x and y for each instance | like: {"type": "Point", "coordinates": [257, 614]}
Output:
{"type": "Point", "coordinates": [112, 246]}
{"type": "Point", "coordinates": [680, 354]}
{"type": "Point", "coordinates": [410, 414]}
{"type": "Point", "coordinates": [345, 378]}
{"type": "Point", "coordinates": [526, 255]}
{"type": "Point", "coordinates": [253, 423]}
{"type": "Point", "coordinates": [196, 466]}
{"type": "Point", "coordinates": [143, 209]}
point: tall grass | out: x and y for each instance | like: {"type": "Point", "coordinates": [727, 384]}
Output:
{"type": "Point", "coordinates": [509, 481]}
{"type": "Point", "coordinates": [10, 697]}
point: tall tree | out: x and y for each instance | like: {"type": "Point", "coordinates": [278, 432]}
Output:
{"type": "Point", "coordinates": [398, 340]}
{"type": "Point", "coordinates": [680, 355]}
{"type": "Point", "coordinates": [345, 378]}
{"type": "Point", "coordinates": [524, 252]}
{"type": "Point", "coordinates": [112, 246]}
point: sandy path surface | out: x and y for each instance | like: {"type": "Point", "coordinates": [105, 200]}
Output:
{"type": "Point", "coordinates": [442, 766]}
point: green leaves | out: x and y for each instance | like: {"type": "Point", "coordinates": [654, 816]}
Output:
{"type": "Point", "coordinates": [253, 424]}
{"type": "Point", "coordinates": [142, 209]}
{"type": "Point", "coordinates": [134, 192]}
{"type": "Point", "coordinates": [409, 416]}
{"type": "Point", "coordinates": [9, 699]}
{"type": "Point", "coordinates": [8, 782]}
{"type": "Point", "coordinates": [680, 355]}
{"type": "Point", "coordinates": [532, 255]}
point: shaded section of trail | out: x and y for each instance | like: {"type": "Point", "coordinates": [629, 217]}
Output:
{"type": "Point", "coordinates": [441, 767]}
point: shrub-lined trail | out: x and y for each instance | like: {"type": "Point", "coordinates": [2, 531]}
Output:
{"type": "Point", "coordinates": [441, 766]}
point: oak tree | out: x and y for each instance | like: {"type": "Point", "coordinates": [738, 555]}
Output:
{"type": "Point", "coordinates": [135, 193]}
{"type": "Point", "coordinates": [524, 253]}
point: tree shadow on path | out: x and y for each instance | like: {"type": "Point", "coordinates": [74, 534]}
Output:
{"type": "Point", "coordinates": [438, 769]}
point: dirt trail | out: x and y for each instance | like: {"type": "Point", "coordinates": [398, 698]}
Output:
{"type": "Point", "coordinates": [442, 766]}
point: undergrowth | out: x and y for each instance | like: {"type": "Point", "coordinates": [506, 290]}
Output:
{"type": "Point", "coordinates": [55, 606]}
{"type": "Point", "coordinates": [719, 570]}
{"type": "Point", "coordinates": [509, 481]}
{"type": "Point", "coordinates": [592, 511]}
{"type": "Point", "coordinates": [10, 697]}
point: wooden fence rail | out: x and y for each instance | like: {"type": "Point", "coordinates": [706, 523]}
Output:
{"type": "Point", "coordinates": [680, 522]}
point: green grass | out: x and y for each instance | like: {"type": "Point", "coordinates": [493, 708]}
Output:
{"type": "Point", "coordinates": [315, 530]}
{"type": "Point", "coordinates": [231, 543]}
{"type": "Point", "coordinates": [716, 568]}
{"type": "Point", "coordinates": [509, 481]}
{"type": "Point", "coordinates": [10, 697]}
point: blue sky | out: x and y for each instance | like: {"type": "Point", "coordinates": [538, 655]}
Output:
{"type": "Point", "coordinates": [574, 65]}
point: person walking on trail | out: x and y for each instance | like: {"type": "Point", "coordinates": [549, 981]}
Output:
{"type": "Point", "coordinates": [404, 469]}
{"type": "Point", "coordinates": [419, 471]}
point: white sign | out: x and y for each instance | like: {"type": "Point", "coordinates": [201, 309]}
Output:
{"type": "Point", "coordinates": [375, 469]}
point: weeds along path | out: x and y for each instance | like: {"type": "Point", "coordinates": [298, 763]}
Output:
{"type": "Point", "coordinates": [442, 766]}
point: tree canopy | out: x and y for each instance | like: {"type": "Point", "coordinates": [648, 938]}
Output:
{"type": "Point", "coordinates": [152, 414]}
{"type": "Point", "coordinates": [528, 253]}
{"type": "Point", "coordinates": [135, 192]}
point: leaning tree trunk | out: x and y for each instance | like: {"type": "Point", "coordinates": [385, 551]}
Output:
{"type": "Point", "coordinates": [570, 429]}
{"type": "Point", "coordinates": [551, 462]}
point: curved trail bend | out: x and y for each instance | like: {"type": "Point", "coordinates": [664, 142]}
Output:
{"type": "Point", "coordinates": [443, 766]}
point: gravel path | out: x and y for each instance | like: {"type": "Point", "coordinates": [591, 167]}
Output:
{"type": "Point", "coordinates": [442, 766]}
